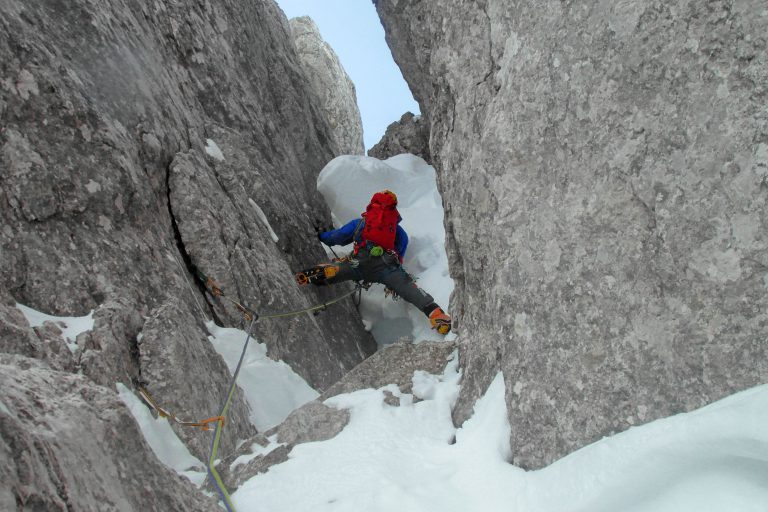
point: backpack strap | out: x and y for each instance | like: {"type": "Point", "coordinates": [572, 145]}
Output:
{"type": "Point", "coordinates": [358, 229]}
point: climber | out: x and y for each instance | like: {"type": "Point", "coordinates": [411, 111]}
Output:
{"type": "Point", "coordinates": [380, 245]}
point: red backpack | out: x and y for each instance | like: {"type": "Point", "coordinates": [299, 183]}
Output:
{"type": "Point", "coordinates": [380, 221]}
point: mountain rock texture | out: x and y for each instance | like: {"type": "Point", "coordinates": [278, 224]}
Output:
{"type": "Point", "coordinates": [408, 135]}
{"type": "Point", "coordinates": [333, 87]}
{"type": "Point", "coordinates": [67, 443]}
{"type": "Point", "coordinates": [604, 170]}
{"type": "Point", "coordinates": [142, 143]}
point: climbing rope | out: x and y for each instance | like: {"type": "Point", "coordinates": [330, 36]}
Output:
{"type": "Point", "coordinates": [215, 290]}
{"type": "Point", "coordinates": [322, 306]}
{"type": "Point", "coordinates": [212, 472]}
{"type": "Point", "coordinates": [189, 285]}
{"type": "Point", "coordinates": [250, 316]}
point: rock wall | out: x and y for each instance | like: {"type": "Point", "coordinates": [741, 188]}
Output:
{"type": "Point", "coordinates": [604, 170]}
{"type": "Point", "coordinates": [67, 443]}
{"type": "Point", "coordinates": [142, 142]}
{"type": "Point", "coordinates": [333, 87]}
{"type": "Point", "coordinates": [408, 135]}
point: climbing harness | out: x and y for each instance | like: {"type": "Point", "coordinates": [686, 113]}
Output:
{"type": "Point", "coordinates": [362, 285]}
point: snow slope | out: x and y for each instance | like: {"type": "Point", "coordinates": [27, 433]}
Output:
{"type": "Point", "coordinates": [398, 459]}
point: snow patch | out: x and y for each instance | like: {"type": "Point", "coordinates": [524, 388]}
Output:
{"type": "Point", "coordinates": [4, 409]}
{"type": "Point", "coordinates": [213, 150]}
{"type": "Point", "coordinates": [162, 439]}
{"type": "Point", "coordinates": [264, 220]}
{"type": "Point", "coordinates": [486, 433]}
{"type": "Point", "coordinates": [272, 389]}
{"type": "Point", "coordinates": [71, 326]}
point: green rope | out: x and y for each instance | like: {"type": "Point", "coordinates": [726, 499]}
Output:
{"type": "Point", "coordinates": [213, 473]}
{"type": "Point", "coordinates": [313, 308]}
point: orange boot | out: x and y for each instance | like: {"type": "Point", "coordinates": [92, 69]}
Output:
{"type": "Point", "coordinates": [440, 321]}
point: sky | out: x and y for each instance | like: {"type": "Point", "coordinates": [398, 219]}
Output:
{"type": "Point", "coordinates": [353, 29]}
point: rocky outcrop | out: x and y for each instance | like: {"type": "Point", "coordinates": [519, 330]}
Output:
{"type": "Point", "coordinates": [315, 421]}
{"type": "Point", "coordinates": [333, 87]}
{"type": "Point", "coordinates": [604, 170]}
{"type": "Point", "coordinates": [66, 443]}
{"type": "Point", "coordinates": [142, 143]}
{"type": "Point", "coordinates": [408, 135]}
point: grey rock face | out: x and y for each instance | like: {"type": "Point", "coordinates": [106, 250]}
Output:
{"type": "Point", "coordinates": [408, 135]}
{"type": "Point", "coordinates": [263, 227]}
{"type": "Point", "coordinates": [66, 442]}
{"type": "Point", "coordinates": [166, 338]}
{"type": "Point", "coordinates": [333, 87]}
{"type": "Point", "coordinates": [111, 195]}
{"type": "Point", "coordinates": [604, 170]}
{"type": "Point", "coordinates": [394, 364]}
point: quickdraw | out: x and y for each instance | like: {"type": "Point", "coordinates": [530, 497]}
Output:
{"type": "Point", "coordinates": [163, 413]}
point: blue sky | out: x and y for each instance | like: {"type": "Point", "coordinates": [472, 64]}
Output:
{"type": "Point", "coordinates": [353, 29]}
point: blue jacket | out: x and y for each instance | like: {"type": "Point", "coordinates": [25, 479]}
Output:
{"type": "Point", "coordinates": [345, 233]}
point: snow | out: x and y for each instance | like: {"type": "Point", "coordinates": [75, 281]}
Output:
{"type": "Point", "coordinates": [214, 150]}
{"type": "Point", "coordinates": [392, 458]}
{"type": "Point", "coordinates": [71, 326]}
{"type": "Point", "coordinates": [264, 220]}
{"type": "Point", "coordinates": [4, 409]}
{"type": "Point", "coordinates": [347, 183]}
{"type": "Point", "coordinates": [162, 439]}
{"type": "Point", "coordinates": [272, 389]}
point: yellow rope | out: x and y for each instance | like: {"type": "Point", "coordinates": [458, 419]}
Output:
{"type": "Point", "coordinates": [250, 316]}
